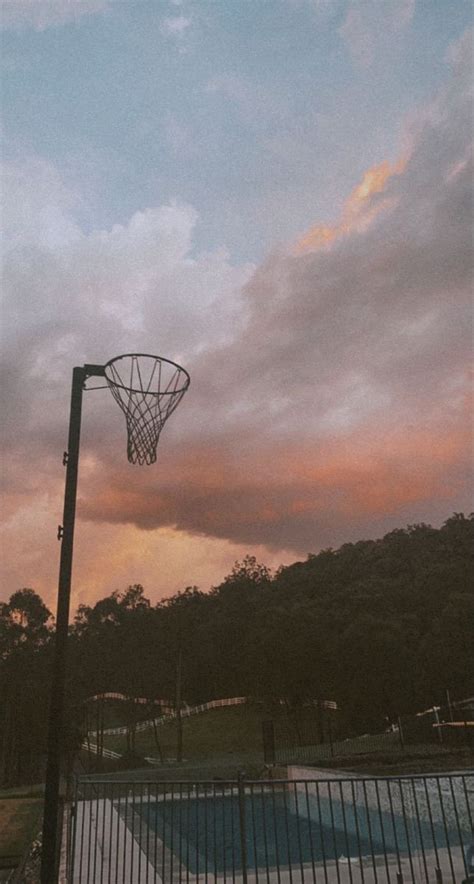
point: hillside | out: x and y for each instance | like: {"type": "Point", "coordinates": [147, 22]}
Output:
{"type": "Point", "coordinates": [384, 627]}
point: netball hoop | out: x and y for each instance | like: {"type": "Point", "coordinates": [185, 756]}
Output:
{"type": "Point", "coordinates": [147, 389]}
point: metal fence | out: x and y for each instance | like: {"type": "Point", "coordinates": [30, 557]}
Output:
{"type": "Point", "coordinates": [404, 829]}
{"type": "Point", "coordinates": [282, 744]}
{"type": "Point", "coordinates": [318, 735]}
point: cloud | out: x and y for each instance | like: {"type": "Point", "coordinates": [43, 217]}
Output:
{"type": "Point", "coordinates": [43, 14]}
{"type": "Point", "coordinates": [71, 297]}
{"type": "Point", "coordinates": [111, 556]}
{"type": "Point", "coordinates": [291, 494]}
{"type": "Point", "coordinates": [368, 24]}
{"type": "Point", "coordinates": [175, 25]}
{"type": "Point", "coordinates": [329, 388]}
{"type": "Point", "coordinates": [360, 209]}
{"type": "Point", "coordinates": [177, 28]}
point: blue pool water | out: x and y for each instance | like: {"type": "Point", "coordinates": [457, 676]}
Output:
{"type": "Point", "coordinates": [205, 832]}
{"type": "Point", "coordinates": [283, 830]}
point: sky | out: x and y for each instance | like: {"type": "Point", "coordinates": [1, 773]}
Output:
{"type": "Point", "coordinates": [277, 195]}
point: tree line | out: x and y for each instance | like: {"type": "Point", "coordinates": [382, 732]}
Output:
{"type": "Point", "coordinates": [384, 627]}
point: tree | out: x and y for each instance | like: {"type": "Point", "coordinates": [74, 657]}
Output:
{"type": "Point", "coordinates": [24, 685]}
{"type": "Point", "coordinates": [384, 627]}
{"type": "Point", "coordinates": [24, 620]}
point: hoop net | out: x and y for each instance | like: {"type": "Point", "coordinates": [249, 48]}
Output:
{"type": "Point", "coordinates": [147, 389]}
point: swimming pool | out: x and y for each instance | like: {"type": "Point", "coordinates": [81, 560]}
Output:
{"type": "Point", "coordinates": [340, 831]}
{"type": "Point", "coordinates": [287, 828]}
{"type": "Point", "coordinates": [206, 833]}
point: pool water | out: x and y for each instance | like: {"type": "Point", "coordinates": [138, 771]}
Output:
{"type": "Point", "coordinates": [204, 832]}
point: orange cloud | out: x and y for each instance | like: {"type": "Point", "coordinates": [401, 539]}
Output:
{"type": "Point", "coordinates": [282, 500]}
{"type": "Point", "coordinates": [111, 556]}
{"type": "Point", "coordinates": [359, 210]}
{"type": "Point", "coordinates": [380, 470]}
{"type": "Point", "coordinates": [300, 493]}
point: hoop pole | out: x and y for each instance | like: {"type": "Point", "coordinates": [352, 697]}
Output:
{"type": "Point", "coordinates": [49, 856]}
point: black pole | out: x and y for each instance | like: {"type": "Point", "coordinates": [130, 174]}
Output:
{"type": "Point", "coordinates": [330, 734]}
{"type": "Point", "coordinates": [450, 708]}
{"type": "Point", "coordinates": [49, 855]}
{"type": "Point", "coordinates": [242, 826]}
{"type": "Point", "coordinates": [179, 722]}
{"type": "Point", "coordinates": [400, 733]}
{"type": "Point", "coordinates": [268, 739]}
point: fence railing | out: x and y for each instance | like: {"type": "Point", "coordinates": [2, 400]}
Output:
{"type": "Point", "coordinates": [320, 735]}
{"type": "Point", "coordinates": [344, 830]}
{"type": "Point", "coordinates": [282, 746]}
{"type": "Point", "coordinates": [186, 712]}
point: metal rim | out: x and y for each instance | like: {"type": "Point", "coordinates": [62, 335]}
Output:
{"type": "Point", "coordinates": [112, 381]}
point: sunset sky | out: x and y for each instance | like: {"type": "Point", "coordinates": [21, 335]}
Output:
{"type": "Point", "coordinates": [276, 194]}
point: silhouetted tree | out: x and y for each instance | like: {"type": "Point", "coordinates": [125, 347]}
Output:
{"type": "Point", "coordinates": [385, 627]}
{"type": "Point", "coordinates": [24, 685]}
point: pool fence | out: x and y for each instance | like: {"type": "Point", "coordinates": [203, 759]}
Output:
{"type": "Point", "coordinates": [341, 830]}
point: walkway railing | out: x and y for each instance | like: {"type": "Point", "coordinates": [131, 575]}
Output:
{"type": "Point", "coordinates": [186, 712]}
{"type": "Point", "coordinates": [351, 830]}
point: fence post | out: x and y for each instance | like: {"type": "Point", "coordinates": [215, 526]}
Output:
{"type": "Point", "coordinates": [71, 844]}
{"type": "Point", "coordinates": [268, 737]}
{"type": "Point", "coordinates": [330, 735]}
{"type": "Point", "coordinates": [400, 733]}
{"type": "Point", "coordinates": [450, 708]}
{"type": "Point", "coordinates": [437, 721]}
{"type": "Point", "coordinates": [243, 829]}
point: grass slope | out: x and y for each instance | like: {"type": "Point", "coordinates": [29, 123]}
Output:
{"type": "Point", "coordinates": [233, 735]}
{"type": "Point", "coordinates": [19, 822]}
{"type": "Point", "coordinates": [227, 731]}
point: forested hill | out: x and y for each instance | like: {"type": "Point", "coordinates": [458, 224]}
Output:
{"type": "Point", "coordinates": [382, 626]}
{"type": "Point", "coordinates": [385, 627]}
{"type": "Point", "coordinates": [391, 621]}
